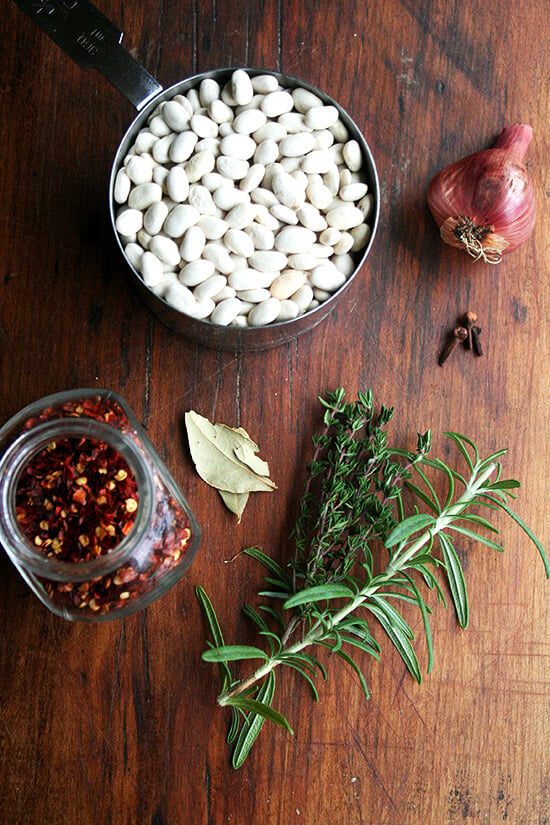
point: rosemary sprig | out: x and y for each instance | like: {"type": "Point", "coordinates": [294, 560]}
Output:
{"type": "Point", "coordinates": [329, 591]}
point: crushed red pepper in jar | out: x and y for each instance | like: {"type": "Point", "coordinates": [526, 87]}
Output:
{"type": "Point", "coordinates": [78, 499]}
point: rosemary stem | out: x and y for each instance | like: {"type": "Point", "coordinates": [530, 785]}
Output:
{"type": "Point", "coordinates": [398, 563]}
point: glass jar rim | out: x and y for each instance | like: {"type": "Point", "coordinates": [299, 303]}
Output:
{"type": "Point", "coordinates": [18, 455]}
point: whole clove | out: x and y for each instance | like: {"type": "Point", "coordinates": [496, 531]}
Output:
{"type": "Point", "coordinates": [468, 321]}
{"type": "Point", "coordinates": [476, 343]}
{"type": "Point", "coordinates": [457, 335]}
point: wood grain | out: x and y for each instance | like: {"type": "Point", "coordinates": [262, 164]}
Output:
{"type": "Point", "coordinates": [117, 724]}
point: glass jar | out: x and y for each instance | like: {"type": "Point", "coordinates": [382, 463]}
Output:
{"type": "Point", "coordinates": [89, 514]}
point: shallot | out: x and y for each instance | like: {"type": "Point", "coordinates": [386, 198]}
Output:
{"type": "Point", "coordinates": [485, 203]}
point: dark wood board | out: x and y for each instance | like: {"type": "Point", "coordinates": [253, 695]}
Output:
{"type": "Point", "coordinates": [117, 724]}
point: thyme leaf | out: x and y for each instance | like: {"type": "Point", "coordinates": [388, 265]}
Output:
{"type": "Point", "coordinates": [366, 507]}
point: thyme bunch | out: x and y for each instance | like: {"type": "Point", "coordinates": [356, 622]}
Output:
{"type": "Point", "coordinates": [360, 495]}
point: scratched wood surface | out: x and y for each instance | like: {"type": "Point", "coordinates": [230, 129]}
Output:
{"type": "Point", "coordinates": [117, 724]}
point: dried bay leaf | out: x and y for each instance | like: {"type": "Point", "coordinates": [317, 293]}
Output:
{"type": "Point", "coordinates": [236, 502]}
{"type": "Point", "coordinates": [226, 458]}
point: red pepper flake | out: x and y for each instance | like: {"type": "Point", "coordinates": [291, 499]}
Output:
{"type": "Point", "coordinates": [79, 502]}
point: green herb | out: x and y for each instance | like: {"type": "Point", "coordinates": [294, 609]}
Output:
{"type": "Point", "coordinates": [226, 458]}
{"type": "Point", "coordinates": [360, 495]}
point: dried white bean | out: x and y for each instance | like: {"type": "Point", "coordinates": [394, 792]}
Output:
{"type": "Point", "coordinates": [271, 131]}
{"type": "Point", "coordinates": [144, 141]}
{"type": "Point", "coordinates": [311, 218]}
{"type": "Point", "coordinates": [202, 163]}
{"type": "Point", "coordinates": [213, 228]}
{"type": "Point", "coordinates": [140, 168]}
{"type": "Point", "coordinates": [161, 149]}
{"type": "Point", "coordinates": [180, 297]}
{"type": "Point", "coordinates": [238, 146]}
{"type": "Point", "coordinates": [244, 279]}
{"type": "Point", "coordinates": [340, 131]}
{"type": "Point", "coordinates": [241, 215]}
{"type": "Point", "coordinates": [129, 222]}
{"type": "Point", "coordinates": [226, 311]}
{"type": "Point", "coordinates": [343, 244]}
{"type": "Point", "coordinates": [239, 242]}
{"type": "Point", "coordinates": [134, 252]}
{"type": "Point", "coordinates": [267, 152]}
{"type": "Point", "coordinates": [262, 236]}
{"type": "Point", "coordinates": [287, 283]}
{"type": "Point", "coordinates": [220, 112]}
{"type": "Point", "coordinates": [203, 308]}
{"type": "Point", "coordinates": [122, 185]}
{"type": "Point", "coordinates": [182, 147]}
{"type": "Point", "coordinates": [228, 196]}
{"type": "Point", "coordinates": [319, 161]}
{"type": "Point", "coordinates": [253, 177]}
{"type": "Point", "coordinates": [360, 235]}
{"type": "Point", "coordinates": [294, 239]}
{"type": "Point", "coordinates": [220, 257]}
{"type": "Point", "coordinates": [366, 205]}
{"type": "Point", "coordinates": [241, 87]}
{"type": "Point", "coordinates": [321, 117]}
{"type": "Point", "coordinates": [264, 83]}
{"type": "Point", "coordinates": [344, 263]}
{"type": "Point", "coordinates": [176, 116]}
{"type": "Point", "coordinates": [345, 217]}
{"type": "Point", "coordinates": [154, 218]}
{"type": "Point", "coordinates": [177, 184]}
{"type": "Point", "coordinates": [158, 126]}
{"type": "Point", "coordinates": [203, 126]}
{"type": "Point", "coordinates": [201, 199]}
{"type": "Point", "coordinates": [303, 298]}
{"type": "Point", "coordinates": [323, 139]}
{"type": "Point", "coordinates": [192, 243]}
{"type": "Point", "coordinates": [331, 179]}
{"type": "Point", "coordinates": [352, 155]}
{"type": "Point", "coordinates": [249, 121]}
{"type": "Point", "coordinates": [152, 270]}
{"type": "Point", "coordinates": [298, 144]}
{"type": "Point", "coordinates": [353, 191]}
{"type": "Point", "coordinates": [287, 190]}
{"type": "Point", "coordinates": [263, 196]}
{"type": "Point", "coordinates": [142, 196]}
{"type": "Point", "coordinates": [210, 287]}
{"type": "Point", "coordinates": [284, 213]}
{"type": "Point", "coordinates": [196, 272]}
{"type": "Point", "coordinates": [327, 277]}
{"type": "Point", "coordinates": [304, 99]}
{"type": "Point", "coordinates": [303, 261]}
{"type": "Point", "coordinates": [166, 249]}
{"type": "Point", "coordinates": [232, 168]}
{"type": "Point", "coordinates": [268, 261]}
{"type": "Point", "coordinates": [319, 195]}
{"type": "Point", "coordinates": [294, 123]}
{"type": "Point", "coordinates": [209, 90]}
{"type": "Point", "coordinates": [254, 296]}
{"type": "Point", "coordinates": [266, 312]}
{"type": "Point", "coordinates": [179, 219]}
{"type": "Point", "coordinates": [288, 311]}
{"type": "Point", "coordinates": [277, 103]}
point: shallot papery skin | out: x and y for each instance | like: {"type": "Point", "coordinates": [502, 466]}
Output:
{"type": "Point", "coordinates": [485, 202]}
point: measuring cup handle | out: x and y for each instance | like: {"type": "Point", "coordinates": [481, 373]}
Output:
{"type": "Point", "coordinates": [94, 42]}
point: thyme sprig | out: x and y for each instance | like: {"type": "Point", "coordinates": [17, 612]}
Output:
{"type": "Point", "coordinates": [360, 495]}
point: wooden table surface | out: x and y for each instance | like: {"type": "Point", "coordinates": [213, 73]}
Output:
{"type": "Point", "coordinates": [117, 724]}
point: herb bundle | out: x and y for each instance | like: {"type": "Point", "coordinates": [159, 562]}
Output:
{"type": "Point", "coordinates": [360, 495]}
